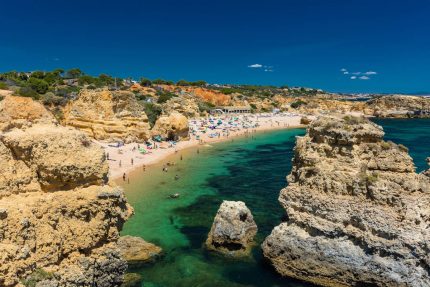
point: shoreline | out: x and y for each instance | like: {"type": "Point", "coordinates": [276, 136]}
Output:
{"type": "Point", "coordinates": [126, 159]}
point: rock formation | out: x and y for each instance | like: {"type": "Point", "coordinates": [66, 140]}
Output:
{"type": "Point", "coordinates": [136, 250]}
{"type": "Point", "coordinates": [110, 116]}
{"type": "Point", "coordinates": [233, 229]}
{"type": "Point", "coordinates": [172, 127]}
{"type": "Point", "coordinates": [358, 213]}
{"type": "Point", "coordinates": [184, 105]}
{"type": "Point", "coordinates": [58, 215]}
{"type": "Point", "coordinates": [400, 106]}
{"type": "Point", "coordinates": [19, 111]}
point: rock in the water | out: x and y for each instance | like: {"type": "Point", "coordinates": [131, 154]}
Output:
{"type": "Point", "coordinates": [132, 280]}
{"type": "Point", "coordinates": [233, 229]}
{"type": "Point", "coordinates": [136, 250]}
{"type": "Point", "coordinates": [358, 213]}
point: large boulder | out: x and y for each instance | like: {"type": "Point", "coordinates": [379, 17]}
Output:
{"type": "Point", "coordinates": [135, 250]}
{"type": "Point", "coordinates": [109, 116]}
{"type": "Point", "coordinates": [358, 213]}
{"type": "Point", "coordinates": [171, 127]}
{"type": "Point", "coordinates": [233, 229]}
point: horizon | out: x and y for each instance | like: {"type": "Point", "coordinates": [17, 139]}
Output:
{"type": "Point", "coordinates": [360, 47]}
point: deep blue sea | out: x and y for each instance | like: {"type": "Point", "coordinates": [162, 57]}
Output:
{"type": "Point", "coordinates": [252, 170]}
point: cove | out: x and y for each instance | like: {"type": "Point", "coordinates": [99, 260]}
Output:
{"type": "Point", "coordinates": [252, 170]}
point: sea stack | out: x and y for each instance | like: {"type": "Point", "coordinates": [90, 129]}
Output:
{"type": "Point", "coordinates": [358, 213]}
{"type": "Point", "coordinates": [233, 229]}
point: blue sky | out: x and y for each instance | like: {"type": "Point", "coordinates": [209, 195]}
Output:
{"type": "Point", "coordinates": [296, 42]}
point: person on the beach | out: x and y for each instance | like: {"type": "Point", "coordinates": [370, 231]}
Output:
{"type": "Point", "coordinates": [123, 177]}
{"type": "Point", "coordinates": [107, 156]}
{"type": "Point", "coordinates": [132, 162]}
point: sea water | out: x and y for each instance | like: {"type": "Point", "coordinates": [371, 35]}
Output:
{"type": "Point", "coordinates": [250, 169]}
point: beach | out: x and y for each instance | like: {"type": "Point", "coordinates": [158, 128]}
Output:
{"type": "Point", "coordinates": [125, 158]}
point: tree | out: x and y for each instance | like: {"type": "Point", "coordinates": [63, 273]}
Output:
{"type": "Point", "coordinates": [38, 85]}
{"type": "Point", "coordinates": [38, 74]}
{"type": "Point", "coordinates": [183, 83]}
{"type": "Point", "coordinates": [74, 73]}
{"type": "Point", "coordinates": [144, 82]}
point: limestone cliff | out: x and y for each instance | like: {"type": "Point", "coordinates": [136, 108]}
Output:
{"type": "Point", "coordinates": [107, 115]}
{"type": "Point", "coordinates": [358, 213]}
{"type": "Point", "coordinates": [57, 211]}
{"type": "Point", "coordinates": [400, 106]}
{"type": "Point", "coordinates": [171, 127]}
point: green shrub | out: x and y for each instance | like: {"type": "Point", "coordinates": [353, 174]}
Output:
{"type": "Point", "coordinates": [297, 104]}
{"type": "Point", "coordinates": [38, 85]}
{"type": "Point", "coordinates": [51, 99]}
{"type": "Point", "coordinates": [145, 82]}
{"type": "Point", "coordinates": [37, 276]}
{"type": "Point", "coordinates": [164, 97]}
{"type": "Point", "coordinates": [205, 106]}
{"type": "Point", "coordinates": [3, 86]}
{"type": "Point", "coordinates": [153, 111]}
{"type": "Point", "coordinates": [28, 92]}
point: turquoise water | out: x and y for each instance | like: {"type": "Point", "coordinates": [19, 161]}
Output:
{"type": "Point", "coordinates": [413, 133]}
{"type": "Point", "coordinates": [250, 169]}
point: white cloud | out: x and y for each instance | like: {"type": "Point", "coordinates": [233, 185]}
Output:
{"type": "Point", "coordinates": [343, 70]}
{"type": "Point", "coordinates": [268, 70]}
{"type": "Point", "coordinates": [346, 73]}
{"type": "Point", "coordinates": [353, 77]}
{"type": "Point", "coordinates": [356, 73]}
{"type": "Point", "coordinates": [371, 73]}
{"type": "Point", "coordinates": [255, 66]}
{"type": "Point", "coordinates": [364, 78]}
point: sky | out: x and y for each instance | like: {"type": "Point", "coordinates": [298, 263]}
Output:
{"type": "Point", "coordinates": [377, 46]}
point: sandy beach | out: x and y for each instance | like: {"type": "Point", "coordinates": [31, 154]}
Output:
{"type": "Point", "coordinates": [124, 159]}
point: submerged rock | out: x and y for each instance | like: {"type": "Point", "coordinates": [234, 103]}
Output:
{"type": "Point", "coordinates": [136, 250]}
{"type": "Point", "coordinates": [233, 229]}
{"type": "Point", "coordinates": [132, 280]}
{"type": "Point", "coordinates": [358, 213]}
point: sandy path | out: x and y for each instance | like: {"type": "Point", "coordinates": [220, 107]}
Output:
{"type": "Point", "coordinates": [127, 158]}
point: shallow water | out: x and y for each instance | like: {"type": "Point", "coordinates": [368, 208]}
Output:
{"type": "Point", "coordinates": [252, 170]}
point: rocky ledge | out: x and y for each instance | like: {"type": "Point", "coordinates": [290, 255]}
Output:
{"type": "Point", "coordinates": [233, 229]}
{"type": "Point", "coordinates": [59, 217]}
{"type": "Point", "coordinates": [358, 213]}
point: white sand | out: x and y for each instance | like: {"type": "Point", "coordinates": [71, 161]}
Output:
{"type": "Point", "coordinates": [120, 159]}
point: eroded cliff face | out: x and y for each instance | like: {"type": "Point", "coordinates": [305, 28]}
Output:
{"type": "Point", "coordinates": [357, 210]}
{"type": "Point", "coordinates": [171, 127]}
{"type": "Point", "coordinates": [57, 211]}
{"type": "Point", "coordinates": [106, 115]}
{"type": "Point", "coordinates": [400, 106]}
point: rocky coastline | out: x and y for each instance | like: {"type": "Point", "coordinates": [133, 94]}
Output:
{"type": "Point", "coordinates": [357, 210]}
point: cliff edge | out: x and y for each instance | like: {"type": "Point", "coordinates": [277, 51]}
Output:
{"type": "Point", "coordinates": [358, 213]}
{"type": "Point", "coordinates": [58, 214]}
